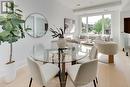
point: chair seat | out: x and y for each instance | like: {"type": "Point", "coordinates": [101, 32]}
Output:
{"type": "Point", "coordinates": [48, 71]}
{"type": "Point", "coordinates": [73, 70]}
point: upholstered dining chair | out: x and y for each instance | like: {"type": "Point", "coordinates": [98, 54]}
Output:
{"type": "Point", "coordinates": [82, 74]}
{"type": "Point", "coordinates": [92, 55]}
{"type": "Point", "coordinates": [41, 74]}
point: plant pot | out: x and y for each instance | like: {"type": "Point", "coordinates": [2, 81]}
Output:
{"type": "Point", "coordinates": [10, 71]}
{"type": "Point", "coordinates": [61, 42]}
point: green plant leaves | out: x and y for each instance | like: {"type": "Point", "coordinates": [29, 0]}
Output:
{"type": "Point", "coordinates": [4, 34]}
{"type": "Point", "coordinates": [16, 32]}
{"type": "Point", "coordinates": [98, 27]}
{"type": "Point", "coordinates": [8, 26]}
{"type": "Point", "coordinates": [12, 25]}
{"type": "Point", "coordinates": [57, 32]}
{"type": "Point", "coordinates": [2, 20]}
{"type": "Point", "coordinates": [18, 10]}
{"type": "Point", "coordinates": [27, 29]}
{"type": "Point", "coordinates": [9, 37]}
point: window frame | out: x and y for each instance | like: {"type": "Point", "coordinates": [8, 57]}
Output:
{"type": "Point", "coordinates": [102, 14]}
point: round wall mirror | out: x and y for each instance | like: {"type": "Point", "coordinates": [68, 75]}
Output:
{"type": "Point", "coordinates": [38, 24]}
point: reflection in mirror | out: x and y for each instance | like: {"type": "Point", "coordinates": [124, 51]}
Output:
{"type": "Point", "coordinates": [38, 24]}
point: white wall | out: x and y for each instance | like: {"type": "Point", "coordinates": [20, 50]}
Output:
{"type": "Point", "coordinates": [124, 14]}
{"type": "Point", "coordinates": [116, 26]}
{"type": "Point", "coordinates": [55, 14]}
{"type": "Point", "coordinates": [125, 5]}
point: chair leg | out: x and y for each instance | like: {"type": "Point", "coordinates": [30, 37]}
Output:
{"type": "Point", "coordinates": [94, 83]}
{"type": "Point", "coordinates": [127, 54]}
{"type": "Point", "coordinates": [96, 80]}
{"type": "Point", "coordinates": [123, 50]}
{"type": "Point", "coordinates": [30, 82]}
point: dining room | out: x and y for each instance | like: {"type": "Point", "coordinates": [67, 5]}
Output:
{"type": "Point", "coordinates": [64, 43]}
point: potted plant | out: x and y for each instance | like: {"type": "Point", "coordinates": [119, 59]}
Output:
{"type": "Point", "coordinates": [58, 32]}
{"type": "Point", "coordinates": [12, 31]}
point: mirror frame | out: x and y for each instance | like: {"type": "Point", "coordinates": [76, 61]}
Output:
{"type": "Point", "coordinates": [44, 29]}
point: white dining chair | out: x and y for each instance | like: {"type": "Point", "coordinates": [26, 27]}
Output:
{"type": "Point", "coordinates": [92, 55]}
{"type": "Point", "coordinates": [82, 74]}
{"type": "Point", "coordinates": [41, 74]}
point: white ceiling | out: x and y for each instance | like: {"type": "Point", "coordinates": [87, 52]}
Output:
{"type": "Point", "coordinates": [89, 4]}
{"type": "Point", "coordinates": [85, 3]}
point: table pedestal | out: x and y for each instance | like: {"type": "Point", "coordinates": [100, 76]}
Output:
{"type": "Point", "coordinates": [110, 58]}
{"type": "Point", "coordinates": [62, 76]}
{"type": "Point", "coordinates": [62, 73]}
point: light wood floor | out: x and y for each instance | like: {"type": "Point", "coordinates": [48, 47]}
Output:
{"type": "Point", "coordinates": [109, 75]}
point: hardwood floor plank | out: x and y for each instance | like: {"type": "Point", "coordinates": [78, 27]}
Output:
{"type": "Point", "coordinates": [109, 75]}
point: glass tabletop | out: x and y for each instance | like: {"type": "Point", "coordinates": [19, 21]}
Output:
{"type": "Point", "coordinates": [72, 52]}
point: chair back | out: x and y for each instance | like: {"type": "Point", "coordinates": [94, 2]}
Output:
{"type": "Point", "coordinates": [87, 73]}
{"type": "Point", "coordinates": [93, 53]}
{"type": "Point", "coordinates": [35, 71]}
{"type": "Point", "coordinates": [108, 48]}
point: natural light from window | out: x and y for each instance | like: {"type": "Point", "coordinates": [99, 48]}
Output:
{"type": "Point", "coordinates": [98, 24]}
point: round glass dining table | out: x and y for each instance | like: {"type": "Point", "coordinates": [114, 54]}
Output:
{"type": "Point", "coordinates": [69, 54]}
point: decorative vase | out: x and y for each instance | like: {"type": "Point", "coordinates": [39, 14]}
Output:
{"type": "Point", "coordinates": [10, 72]}
{"type": "Point", "coordinates": [61, 42]}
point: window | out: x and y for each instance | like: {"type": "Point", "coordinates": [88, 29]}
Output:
{"type": "Point", "coordinates": [107, 24]}
{"type": "Point", "coordinates": [5, 6]}
{"type": "Point", "coordinates": [95, 24]}
{"type": "Point", "coordinates": [84, 24]}
{"type": "Point", "coordinates": [99, 24]}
